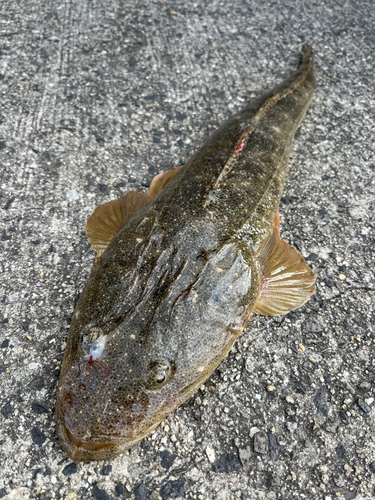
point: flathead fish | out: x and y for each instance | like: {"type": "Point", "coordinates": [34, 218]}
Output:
{"type": "Point", "coordinates": [179, 272]}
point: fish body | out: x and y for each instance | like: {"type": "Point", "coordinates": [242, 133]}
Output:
{"type": "Point", "coordinates": [185, 269]}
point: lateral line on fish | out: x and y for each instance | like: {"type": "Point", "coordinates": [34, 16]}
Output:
{"type": "Point", "coordinates": [243, 140]}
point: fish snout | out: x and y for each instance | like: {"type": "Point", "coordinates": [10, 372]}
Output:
{"type": "Point", "coordinates": [102, 424]}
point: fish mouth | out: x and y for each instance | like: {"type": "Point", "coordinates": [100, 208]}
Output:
{"type": "Point", "coordinates": [89, 445]}
{"type": "Point", "coordinates": [80, 450]}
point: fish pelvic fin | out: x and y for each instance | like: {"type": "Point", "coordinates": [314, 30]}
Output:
{"type": "Point", "coordinates": [109, 218]}
{"type": "Point", "coordinates": [286, 282]}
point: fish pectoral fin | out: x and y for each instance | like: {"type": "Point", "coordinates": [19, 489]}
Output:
{"type": "Point", "coordinates": [109, 218]}
{"type": "Point", "coordinates": [159, 182]}
{"type": "Point", "coordinates": [287, 282]}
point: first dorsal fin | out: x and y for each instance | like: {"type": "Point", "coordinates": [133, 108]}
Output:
{"type": "Point", "coordinates": [287, 282]}
{"type": "Point", "coordinates": [159, 182]}
{"type": "Point", "coordinates": [109, 218]}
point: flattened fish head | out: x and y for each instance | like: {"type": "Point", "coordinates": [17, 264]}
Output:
{"type": "Point", "coordinates": [107, 405]}
{"type": "Point", "coordinates": [108, 398]}
{"type": "Point", "coordinates": [117, 385]}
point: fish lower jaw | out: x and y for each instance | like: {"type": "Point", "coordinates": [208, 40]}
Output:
{"type": "Point", "coordinates": [88, 451]}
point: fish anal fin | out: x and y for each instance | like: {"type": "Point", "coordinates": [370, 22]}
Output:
{"type": "Point", "coordinates": [109, 218]}
{"type": "Point", "coordinates": [287, 282]}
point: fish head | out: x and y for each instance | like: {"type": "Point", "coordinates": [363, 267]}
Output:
{"type": "Point", "coordinates": [107, 405]}
{"type": "Point", "coordinates": [111, 394]}
{"type": "Point", "coordinates": [119, 381]}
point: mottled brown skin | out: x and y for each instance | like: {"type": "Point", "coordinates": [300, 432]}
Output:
{"type": "Point", "coordinates": [178, 284]}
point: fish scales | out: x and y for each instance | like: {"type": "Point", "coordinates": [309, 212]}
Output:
{"type": "Point", "coordinates": [179, 281]}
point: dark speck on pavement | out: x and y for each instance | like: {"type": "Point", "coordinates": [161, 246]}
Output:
{"type": "Point", "coordinates": [140, 492]}
{"type": "Point", "coordinates": [70, 469]}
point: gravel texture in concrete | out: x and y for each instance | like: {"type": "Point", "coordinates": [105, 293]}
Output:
{"type": "Point", "coordinates": [96, 98]}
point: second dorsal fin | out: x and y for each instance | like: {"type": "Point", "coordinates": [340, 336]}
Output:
{"type": "Point", "coordinates": [109, 218]}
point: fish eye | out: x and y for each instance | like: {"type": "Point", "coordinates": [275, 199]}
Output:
{"type": "Point", "coordinates": [158, 373]}
{"type": "Point", "coordinates": [161, 379]}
